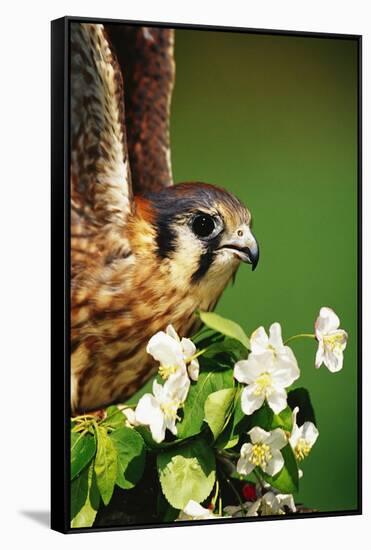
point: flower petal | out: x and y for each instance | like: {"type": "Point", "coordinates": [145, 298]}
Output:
{"type": "Point", "coordinates": [170, 331]}
{"type": "Point", "coordinates": [194, 370]}
{"type": "Point", "coordinates": [275, 337]}
{"type": "Point", "coordinates": [286, 500]}
{"type": "Point", "coordinates": [277, 439]}
{"type": "Point", "coordinates": [333, 361]}
{"type": "Point", "coordinates": [244, 466]}
{"type": "Point", "coordinates": [148, 412]}
{"type": "Point", "coordinates": [130, 416]}
{"type": "Point", "coordinates": [195, 510]}
{"type": "Point", "coordinates": [277, 400]}
{"type": "Point", "coordinates": [326, 321]}
{"type": "Point", "coordinates": [275, 464]}
{"type": "Point", "coordinates": [189, 349]}
{"type": "Point", "coordinates": [309, 432]}
{"type": "Point", "coordinates": [165, 349]}
{"type": "Point", "coordinates": [176, 386]}
{"type": "Point", "coordinates": [320, 355]}
{"type": "Point", "coordinates": [248, 370]}
{"type": "Point", "coordinates": [253, 508]}
{"type": "Point", "coordinates": [251, 402]}
{"type": "Point", "coordinates": [258, 435]}
{"type": "Point", "coordinates": [284, 374]}
{"type": "Point", "coordinates": [259, 341]}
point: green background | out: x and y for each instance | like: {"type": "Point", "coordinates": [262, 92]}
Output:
{"type": "Point", "coordinates": [274, 119]}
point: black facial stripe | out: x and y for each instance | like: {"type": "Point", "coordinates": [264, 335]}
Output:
{"type": "Point", "coordinates": [166, 238]}
{"type": "Point", "coordinates": [204, 265]}
{"type": "Point", "coordinates": [206, 259]}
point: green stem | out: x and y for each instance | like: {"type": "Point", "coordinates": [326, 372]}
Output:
{"type": "Point", "coordinates": [200, 352]}
{"type": "Point", "coordinates": [304, 335]}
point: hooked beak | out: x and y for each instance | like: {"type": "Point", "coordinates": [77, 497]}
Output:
{"type": "Point", "coordinates": [244, 246]}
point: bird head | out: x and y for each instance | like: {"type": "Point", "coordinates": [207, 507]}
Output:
{"type": "Point", "coordinates": [201, 232]}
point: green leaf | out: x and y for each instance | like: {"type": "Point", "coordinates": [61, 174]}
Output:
{"type": "Point", "coordinates": [282, 420]}
{"type": "Point", "coordinates": [229, 348]}
{"type": "Point", "coordinates": [300, 398]}
{"type": "Point", "coordinates": [209, 381]}
{"type": "Point", "coordinates": [217, 407]}
{"type": "Point", "coordinates": [105, 465]}
{"type": "Point", "coordinates": [227, 439]}
{"type": "Point", "coordinates": [287, 480]}
{"type": "Point", "coordinates": [225, 326]}
{"type": "Point", "coordinates": [82, 451]}
{"type": "Point", "coordinates": [86, 514]}
{"type": "Point", "coordinates": [115, 418]}
{"type": "Point", "coordinates": [165, 512]}
{"type": "Point", "coordinates": [130, 450]}
{"type": "Point", "coordinates": [187, 473]}
{"type": "Point", "coordinates": [79, 492]}
{"type": "Point", "coordinates": [263, 417]}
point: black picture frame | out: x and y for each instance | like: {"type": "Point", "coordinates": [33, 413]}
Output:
{"type": "Point", "coordinates": [60, 268]}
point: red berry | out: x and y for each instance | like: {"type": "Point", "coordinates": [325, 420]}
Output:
{"type": "Point", "coordinates": [249, 491]}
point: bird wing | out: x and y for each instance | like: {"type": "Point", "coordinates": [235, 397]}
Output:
{"type": "Point", "coordinates": [100, 174]}
{"type": "Point", "coordinates": [110, 127]}
{"type": "Point", "coordinates": [146, 55]}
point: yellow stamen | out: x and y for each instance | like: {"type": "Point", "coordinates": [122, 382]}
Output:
{"type": "Point", "coordinates": [263, 384]}
{"type": "Point", "coordinates": [260, 455]}
{"type": "Point", "coordinates": [333, 341]}
{"type": "Point", "coordinates": [302, 449]}
{"type": "Point", "coordinates": [170, 408]}
{"type": "Point", "coordinates": [167, 370]}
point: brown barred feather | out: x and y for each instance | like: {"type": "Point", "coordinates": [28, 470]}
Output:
{"type": "Point", "coordinates": [124, 288]}
{"type": "Point", "coordinates": [147, 54]}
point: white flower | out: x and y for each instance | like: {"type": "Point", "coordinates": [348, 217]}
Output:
{"type": "Point", "coordinates": [263, 451]}
{"type": "Point", "coordinates": [247, 509]}
{"type": "Point", "coordinates": [302, 439]}
{"type": "Point", "coordinates": [173, 353]}
{"type": "Point", "coordinates": [332, 340]}
{"type": "Point", "coordinates": [270, 368]}
{"type": "Point", "coordinates": [260, 343]}
{"type": "Point", "coordinates": [130, 417]}
{"type": "Point", "coordinates": [159, 411]}
{"type": "Point", "coordinates": [194, 510]}
{"type": "Point", "coordinates": [269, 504]}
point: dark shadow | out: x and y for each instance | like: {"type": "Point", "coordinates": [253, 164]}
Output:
{"type": "Point", "coordinates": [39, 516]}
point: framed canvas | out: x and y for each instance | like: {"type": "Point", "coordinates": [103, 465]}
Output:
{"type": "Point", "coordinates": [206, 274]}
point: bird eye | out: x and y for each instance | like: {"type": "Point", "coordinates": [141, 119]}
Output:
{"type": "Point", "coordinates": [203, 225]}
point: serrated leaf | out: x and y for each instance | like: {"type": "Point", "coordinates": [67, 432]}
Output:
{"type": "Point", "coordinates": [225, 326]}
{"type": "Point", "coordinates": [105, 464]}
{"type": "Point", "coordinates": [287, 480]}
{"type": "Point", "coordinates": [130, 457]}
{"type": "Point", "coordinates": [217, 407]}
{"type": "Point", "coordinates": [83, 448]}
{"type": "Point", "coordinates": [187, 473]}
{"type": "Point", "coordinates": [208, 382]}
{"type": "Point", "coordinates": [300, 398]}
{"type": "Point", "coordinates": [86, 514]}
